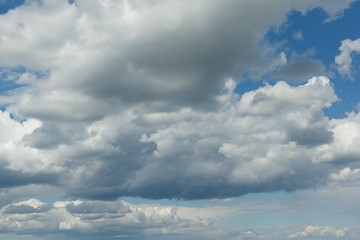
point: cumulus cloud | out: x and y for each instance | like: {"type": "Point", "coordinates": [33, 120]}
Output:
{"type": "Point", "coordinates": [133, 98]}
{"type": "Point", "coordinates": [344, 59]}
{"type": "Point", "coordinates": [273, 138]}
{"type": "Point", "coordinates": [346, 174]}
{"type": "Point", "coordinates": [138, 98]}
{"type": "Point", "coordinates": [342, 149]}
{"type": "Point", "coordinates": [164, 155]}
{"type": "Point", "coordinates": [97, 219]}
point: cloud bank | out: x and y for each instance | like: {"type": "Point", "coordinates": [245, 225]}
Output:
{"type": "Point", "coordinates": [138, 98]}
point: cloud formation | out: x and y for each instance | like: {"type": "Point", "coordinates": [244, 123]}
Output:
{"type": "Point", "coordinates": [119, 219]}
{"type": "Point", "coordinates": [269, 139]}
{"type": "Point", "coordinates": [318, 231]}
{"type": "Point", "coordinates": [133, 98]}
{"type": "Point", "coordinates": [344, 59]}
{"type": "Point", "coordinates": [97, 219]}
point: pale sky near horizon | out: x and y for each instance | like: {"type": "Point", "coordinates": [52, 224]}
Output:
{"type": "Point", "coordinates": [179, 119]}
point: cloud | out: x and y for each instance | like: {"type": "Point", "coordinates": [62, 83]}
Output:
{"type": "Point", "coordinates": [241, 148]}
{"type": "Point", "coordinates": [101, 220]}
{"type": "Point", "coordinates": [133, 98]}
{"type": "Point", "coordinates": [344, 59]}
{"type": "Point", "coordinates": [27, 207]}
{"type": "Point", "coordinates": [300, 67]}
{"type": "Point", "coordinates": [97, 219]}
{"type": "Point", "coordinates": [107, 54]}
{"type": "Point", "coordinates": [298, 35]}
{"type": "Point", "coordinates": [319, 231]}
{"type": "Point", "coordinates": [346, 174]}
{"type": "Point", "coordinates": [174, 159]}
{"type": "Point", "coordinates": [342, 149]}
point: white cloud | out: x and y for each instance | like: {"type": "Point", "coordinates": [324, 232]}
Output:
{"type": "Point", "coordinates": [346, 174]}
{"type": "Point", "coordinates": [13, 131]}
{"type": "Point", "coordinates": [346, 138]}
{"type": "Point", "coordinates": [344, 59]}
{"type": "Point", "coordinates": [323, 231]}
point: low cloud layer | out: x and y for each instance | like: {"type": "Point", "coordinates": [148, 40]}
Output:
{"type": "Point", "coordinates": [119, 219]}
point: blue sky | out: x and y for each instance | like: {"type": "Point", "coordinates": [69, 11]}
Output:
{"type": "Point", "coordinates": [179, 120]}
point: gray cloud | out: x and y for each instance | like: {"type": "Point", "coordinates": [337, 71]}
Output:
{"type": "Point", "coordinates": [300, 67]}
{"type": "Point", "coordinates": [26, 209]}
{"type": "Point", "coordinates": [139, 101]}
{"type": "Point", "coordinates": [97, 207]}
{"type": "Point", "coordinates": [51, 135]}
{"type": "Point", "coordinates": [12, 178]}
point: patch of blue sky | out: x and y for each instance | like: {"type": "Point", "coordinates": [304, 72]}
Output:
{"type": "Point", "coordinates": [247, 85]}
{"type": "Point", "coordinates": [325, 37]}
{"type": "Point", "coordinates": [8, 79]}
{"type": "Point", "coordinates": [303, 32]}
{"type": "Point", "coordinates": [7, 5]}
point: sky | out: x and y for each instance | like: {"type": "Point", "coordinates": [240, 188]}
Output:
{"type": "Point", "coordinates": [169, 119]}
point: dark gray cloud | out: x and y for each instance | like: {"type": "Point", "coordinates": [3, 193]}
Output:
{"type": "Point", "coordinates": [300, 67]}
{"type": "Point", "coordinates": [52, 134]}
{"type": "Point", "coordinates": [13, 178]}
{"type": "Point", "coordinates": [97, 207]}
{"type": "Point", "coordinates": [310, 136]}
{"type": "Point", "coordinates": [26, 209]}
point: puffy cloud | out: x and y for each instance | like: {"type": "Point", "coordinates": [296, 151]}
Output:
{"type": "Point", "coordinates": [343, 149]}
{"type": "Point", "coordinates": [346, 174]}
{"type": "Point", "coordinates": [273, 138]}
{"type": "Point", "coordinates": [129, 99]}
{"type": "Point", "coordinates": [344, 59]}
{"type": "Point", "coordinates": [241, 148]}
{"type": "Point", "coordinates": [97, 219]}
{"type": "Point", "coordinates": [138, 98]}
{"type": "Point", "coordinates": [107, 54]}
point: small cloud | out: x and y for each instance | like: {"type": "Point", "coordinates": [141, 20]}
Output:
{"type": "Point", "coordinates": [298, 35]}
{"type": "Point", "coordinates": [300, 67]}
{"type": "Point", "coordinates": [222, 201]}
{"type": "Point", "coordinates": [346, 174]}
{"type": "Point", "coordinates": [344, 59]}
